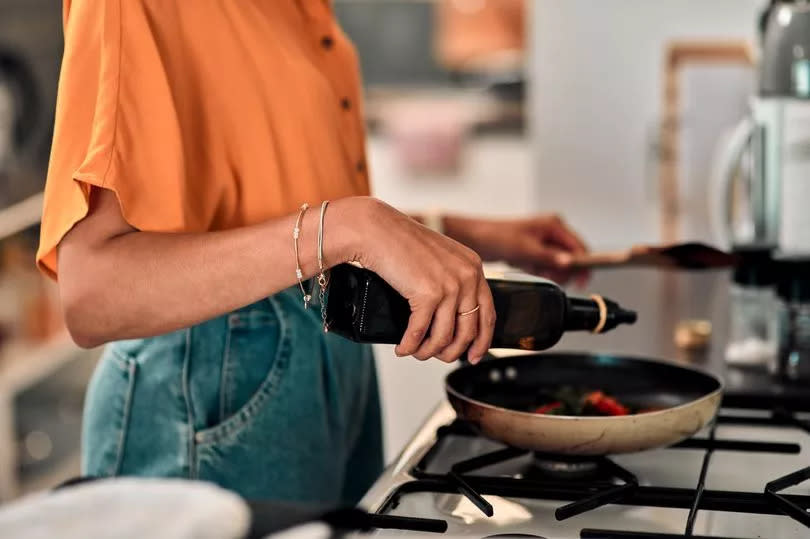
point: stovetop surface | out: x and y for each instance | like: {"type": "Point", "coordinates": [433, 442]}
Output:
{"type": "Point", "coordinates": [536, 518]}
{"type": "Point", "coordinates": [744, 471]}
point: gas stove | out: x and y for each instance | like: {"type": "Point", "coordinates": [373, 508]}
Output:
{"type": "Point", "coordinates": [745, 476]}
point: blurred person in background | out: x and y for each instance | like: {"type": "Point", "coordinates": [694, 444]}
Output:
{"type": "Point", "coordinates": [187, 137]}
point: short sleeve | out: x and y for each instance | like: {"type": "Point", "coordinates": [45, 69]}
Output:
{"type": "Point", "coordinates": [201, 116]}
{"type": "Point", "coordinates": [85, 114]}
{"type": "Point", "coordinates": [116, 128]}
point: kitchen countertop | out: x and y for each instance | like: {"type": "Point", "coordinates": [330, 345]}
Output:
{"type": "Point", "coordinates": [662, 299]}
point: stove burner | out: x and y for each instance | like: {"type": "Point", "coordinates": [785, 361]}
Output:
{"type": "Point", "coordinates": [565, 466]}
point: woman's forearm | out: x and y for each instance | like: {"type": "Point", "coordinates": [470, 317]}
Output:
{"type": "Point", "coordinates": [117, 282]}
{"type": "Point", "coordinates": [138, 284]}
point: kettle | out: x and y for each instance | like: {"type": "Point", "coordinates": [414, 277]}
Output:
{"type": "Point", "coordinates": [771, 147]}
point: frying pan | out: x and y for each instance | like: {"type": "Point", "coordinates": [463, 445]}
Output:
{"type": "Point", "coordinates": [494, 395]}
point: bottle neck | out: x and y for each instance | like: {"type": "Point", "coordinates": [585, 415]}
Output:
{"type": "Point", "coordinates": [587, 314]}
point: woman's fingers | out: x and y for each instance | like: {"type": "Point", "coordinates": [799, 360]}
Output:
{"type": "Point", "coordinates": [466, 326]}
{"type": "Point", "coordinates": [486, 323]}
{"type": "Point", "coordinates": [442, 329]}
{"type": "Point", "coordinates": [418, 325]}
{"type": "Point", "coordinates": [466, 330]}
{"type": "Point", "coordinates": [450, 333]}
{"type": "Point", "coordinates": [469, 274]}
{"type": "Point", "coordinates": [546, 258]}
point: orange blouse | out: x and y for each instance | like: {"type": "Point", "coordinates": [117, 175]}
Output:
{"type": "Point", "coordinates": [202, 115]}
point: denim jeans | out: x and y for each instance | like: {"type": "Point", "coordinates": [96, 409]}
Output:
{"type": "Point", "coordinates": [259, 401]}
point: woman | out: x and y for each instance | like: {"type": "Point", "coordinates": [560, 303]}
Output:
{"type": "Point", "coordinates": [187, 136]}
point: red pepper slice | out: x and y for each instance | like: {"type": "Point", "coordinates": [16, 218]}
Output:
{"type": "Point", "coordinates": [604, 404]}
{"type": "Point", "coordinates": [548, 408]}
{"type": "Point", "coordinates": [593, 397]}
{"type": "Point", "coordinates": [611, 406]}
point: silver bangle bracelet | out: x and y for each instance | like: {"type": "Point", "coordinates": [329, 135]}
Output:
{"type": "Point", "coordinates": [299, 274]}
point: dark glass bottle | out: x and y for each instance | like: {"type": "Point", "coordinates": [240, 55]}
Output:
{"type": "Point", "coordinates": [532, 314]}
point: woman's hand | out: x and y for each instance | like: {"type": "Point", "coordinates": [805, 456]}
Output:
{"type": "Point", "coordinates": [542, 245]}
{"type": "Point", "coordinates": [438, 276]}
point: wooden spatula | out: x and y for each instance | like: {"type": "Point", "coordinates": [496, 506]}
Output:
{"type": "Point", "coordinates": [678, 256]}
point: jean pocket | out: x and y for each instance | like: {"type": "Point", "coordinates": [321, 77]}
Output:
{"type": "Point", "coordinates": [256, 352]}
{"type": "Point", "coordinates": [106, 414]}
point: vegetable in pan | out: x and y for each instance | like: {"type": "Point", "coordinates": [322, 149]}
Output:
{"type": "Point", "coordinates": [568, 401]}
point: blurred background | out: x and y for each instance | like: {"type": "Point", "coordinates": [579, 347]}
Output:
{"type": "Point", "coordinates": [611, 113]}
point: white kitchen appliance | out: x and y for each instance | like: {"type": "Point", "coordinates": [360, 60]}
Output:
{"type": "Point", "coordinates": [772, 146]}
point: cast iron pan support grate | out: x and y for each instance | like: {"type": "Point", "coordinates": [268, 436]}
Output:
{"type": "Point", "coordinates": [710, 444]}
{"type": "Point", "coordinates": [603, 497]}
{"type": "Point", "coordinates": [701, 486]}
{"type": "Point", "coordinates": [592, 533]}
{"type": "Point", "coordinates": [790, 508]}
{"type": "Point", "coordinates": [475, 463]}
{"type": "Point", "coordinates": [629, 483]}
{"type": "Point", "coordinates": [700, 498]}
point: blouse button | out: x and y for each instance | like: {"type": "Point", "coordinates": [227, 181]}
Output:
{"type": "Point", "coordinates": [361, 166]}
{"type": "Point", "coordinates": [327, 42]}
{"type": "Point", "coordinates": [345, 103]}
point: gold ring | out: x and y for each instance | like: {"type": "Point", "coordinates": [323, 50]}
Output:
{"type": "Point", "coordinates": [600, 303]}
{"type": "Point", "coordinates": [465, 313]}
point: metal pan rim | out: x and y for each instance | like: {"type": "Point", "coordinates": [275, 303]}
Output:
{"type": "Point", "coordinates": [543, 417]}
